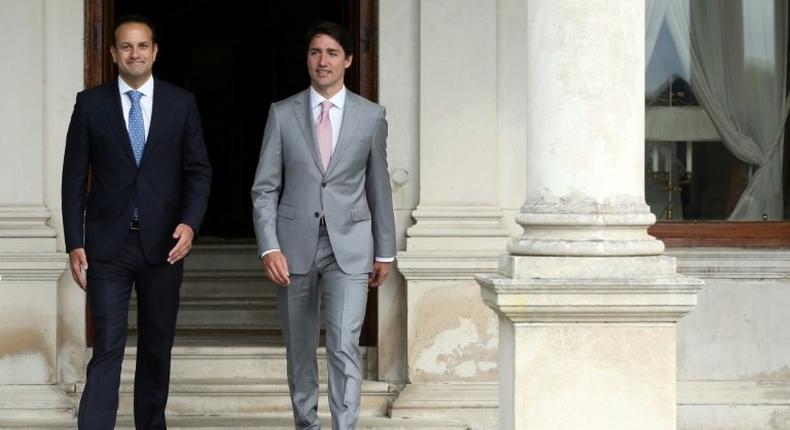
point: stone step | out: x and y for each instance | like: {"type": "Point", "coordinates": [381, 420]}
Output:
{"type": "Point", "coordinates": [245, 358]}
{"type": "Point", "coordinates": [243, 423]}
{"type": "Point", "coordinates": [246, 397]}
{"type": "Point", "coordinates": [35, 401]}
{"type": "Point", "coordinates": [195, 313]}
{"type": "Point", "coordinates": [476, 402]}
{"type": "Point", "coordinates": [223, 255]}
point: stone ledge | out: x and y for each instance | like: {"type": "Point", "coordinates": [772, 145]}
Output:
{"type": "Point", "coordinates": [627, 300]}
{"type": "Point", "coordinates": [25, 222]}
{"type": "Point", "coordinates": [476, 403]}
{"type": "Point", "coordinates": [446, 265]}
{"type": "Point", "coordinates": [758, 393]}
{"type": "Point", "coordinates": [32, 267]}
{"type": "Point", "coordinates": [733, 263]}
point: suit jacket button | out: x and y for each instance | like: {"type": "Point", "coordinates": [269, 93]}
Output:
{"type": "Point", "coordinates": [316, 214]}
{"type": "Point", "coordinates": [323, 184]}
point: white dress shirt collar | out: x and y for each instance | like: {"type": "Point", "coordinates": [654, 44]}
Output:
{"type": "Point", "coordinates": [147, 88]}
{"type": "Point", "coordinates": [338, 100]}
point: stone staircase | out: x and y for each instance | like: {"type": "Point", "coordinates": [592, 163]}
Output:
{"type": "Point", "coordinates": [228, 365]}
{"type": "Point", "coordinates": [225, 376]}
{"type": "Point", "coordinates": [224, 293]}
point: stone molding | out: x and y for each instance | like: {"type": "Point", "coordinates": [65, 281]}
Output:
{"type": "Point", "coordinates": [446, 265]}
{"type": "Point", "coordinates": [25, 221]}
{"type": "Point", "coordinates": [733, 263]}
{"type": "Point", "coordinates": [32, 267]}
{"type": "Point", "coordinates": [457, 227]}
{"type": "Point", "coordinates": [589, 289]}
{"type": "Point", "coordinates": [458, 221]}
{"type": "Point", "coordinates": [746, 392]}
{"type": "Point", "coordinates": [24, 229]}
{"type": "Point", "coordinates": [578, 225]}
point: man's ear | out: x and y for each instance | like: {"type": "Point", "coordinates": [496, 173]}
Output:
{"type": "Point", "coordinates": [114, 54]}
{"type": "Point", "coordinates": [349, 59]}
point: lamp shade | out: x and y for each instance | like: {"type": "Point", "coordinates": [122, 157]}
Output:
{"type": "Point", "coordinates": [679, 123]}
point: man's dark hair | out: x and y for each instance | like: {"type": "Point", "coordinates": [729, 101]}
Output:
{"type": "Point", "coordinates": [133, 18]}
{"type": "Point", "coordinates": [334, 31]}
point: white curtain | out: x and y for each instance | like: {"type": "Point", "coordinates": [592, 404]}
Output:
{"type": "Point", "coordinates": [677, 17]}
{"type": "Point", "coordinates": [742, 86]}
{"type": "Point", "coordinates": [655, 10]}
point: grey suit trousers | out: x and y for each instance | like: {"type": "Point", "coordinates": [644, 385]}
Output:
{"type": "Point", "coordinates": [344, 298]}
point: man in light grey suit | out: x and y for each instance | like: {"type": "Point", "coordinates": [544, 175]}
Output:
{"type": "Point", "coordinates": [322, 209]}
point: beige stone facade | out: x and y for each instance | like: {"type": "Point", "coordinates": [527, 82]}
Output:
{"type": "Point", "coordinates": [464, 82]}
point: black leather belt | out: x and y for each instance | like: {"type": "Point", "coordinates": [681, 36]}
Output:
{"type": "Point", "coordinates": [134, 224]}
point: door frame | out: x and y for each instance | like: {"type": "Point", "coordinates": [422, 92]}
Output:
{"type": "Point", "coordinates": [99, 68]}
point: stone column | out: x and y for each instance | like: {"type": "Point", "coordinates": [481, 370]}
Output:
{"type": "Point", "coordinates": [587, 305]}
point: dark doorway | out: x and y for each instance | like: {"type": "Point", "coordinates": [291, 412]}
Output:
{"type": "Point", "coordinates": [237, 59]}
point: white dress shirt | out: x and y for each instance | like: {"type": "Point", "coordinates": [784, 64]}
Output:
{"type": "Point", "coordinates": [146, 101]}
{"type": "Point", "coordinates": [336, 117]}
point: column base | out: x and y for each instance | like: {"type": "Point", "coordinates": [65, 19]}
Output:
{"type": "Point", "coordinates": [588, 342]}
{"type": "Point", "coordinates": [579, 226]}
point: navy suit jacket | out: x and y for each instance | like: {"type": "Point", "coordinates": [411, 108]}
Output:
{"type": "Point", "coordinates": [170, 186]}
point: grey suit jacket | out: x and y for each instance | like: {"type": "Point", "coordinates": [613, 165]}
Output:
{"type": "Point", "coordinates": [291, 190]}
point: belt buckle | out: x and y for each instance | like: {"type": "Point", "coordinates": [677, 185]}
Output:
{"type": "Point", "coordinates": [134, 224]}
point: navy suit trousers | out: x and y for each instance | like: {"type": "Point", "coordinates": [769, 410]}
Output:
{"type": "Point", "coordinates": [109, 287]}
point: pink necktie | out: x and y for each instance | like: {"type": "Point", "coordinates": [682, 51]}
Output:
{"type": "Point", "coordinates": [323, 132]}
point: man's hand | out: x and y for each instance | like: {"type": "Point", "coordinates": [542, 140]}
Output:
{"type": "Point", "coordinates": [184, 234]}
{"type": "Point", "coordinates": [276, 268]}
{"type": "Point", "coordinates": [379, 273]}
{"type": "Point", "coordinates": [79, 265]}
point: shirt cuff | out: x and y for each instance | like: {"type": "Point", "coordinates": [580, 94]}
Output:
{"type": "Point", "coordinates": [385, 259]}
{"type": "Point", "coordinates": [268, 251]}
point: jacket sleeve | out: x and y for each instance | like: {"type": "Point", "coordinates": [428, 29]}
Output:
{"type": "Point", "coordinates": [267, 186]}
{"type": "Point", "coordinates": [196, 170]}
{"type": "Point", "coordinates": [74, 181]}
{"type": "Point", "coordinates": [379, 192]}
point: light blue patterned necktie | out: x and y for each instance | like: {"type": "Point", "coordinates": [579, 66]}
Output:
{"type": "Point", "coordinates": [136, 126]}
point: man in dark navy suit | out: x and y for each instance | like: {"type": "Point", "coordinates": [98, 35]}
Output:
{"type": "Point", "coordinates": [141, 142]}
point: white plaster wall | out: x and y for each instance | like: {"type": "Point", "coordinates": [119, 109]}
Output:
{"type": "Point", "coordinates": [21, 113]}
{"type": "Point", "coordinates": [453, 335]}
{"type": "Point", "coordinates": [734, 348]}
{"type": "Point", "coordinates": [738, 331]}
{"type": "Point", "coordinates": [28, 333]}
{"type": "Point", "coordinates": [458, 138]}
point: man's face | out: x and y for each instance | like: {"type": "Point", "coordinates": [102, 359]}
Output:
{"type": "Point", "coordinates": [134, 51]}
{"type": "Point", "coordinates": [326, 62]}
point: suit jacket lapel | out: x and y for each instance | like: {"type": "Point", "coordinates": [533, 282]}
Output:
{"type": "Point", "coordinates": [115, 120]}
{"type": "Point", "coordinates": [303, 113]}
{"type": "Point", "coordinates": [347, 129]}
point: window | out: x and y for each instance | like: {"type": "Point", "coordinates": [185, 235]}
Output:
{"type": "Point", "coordinates": [716, 115]}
